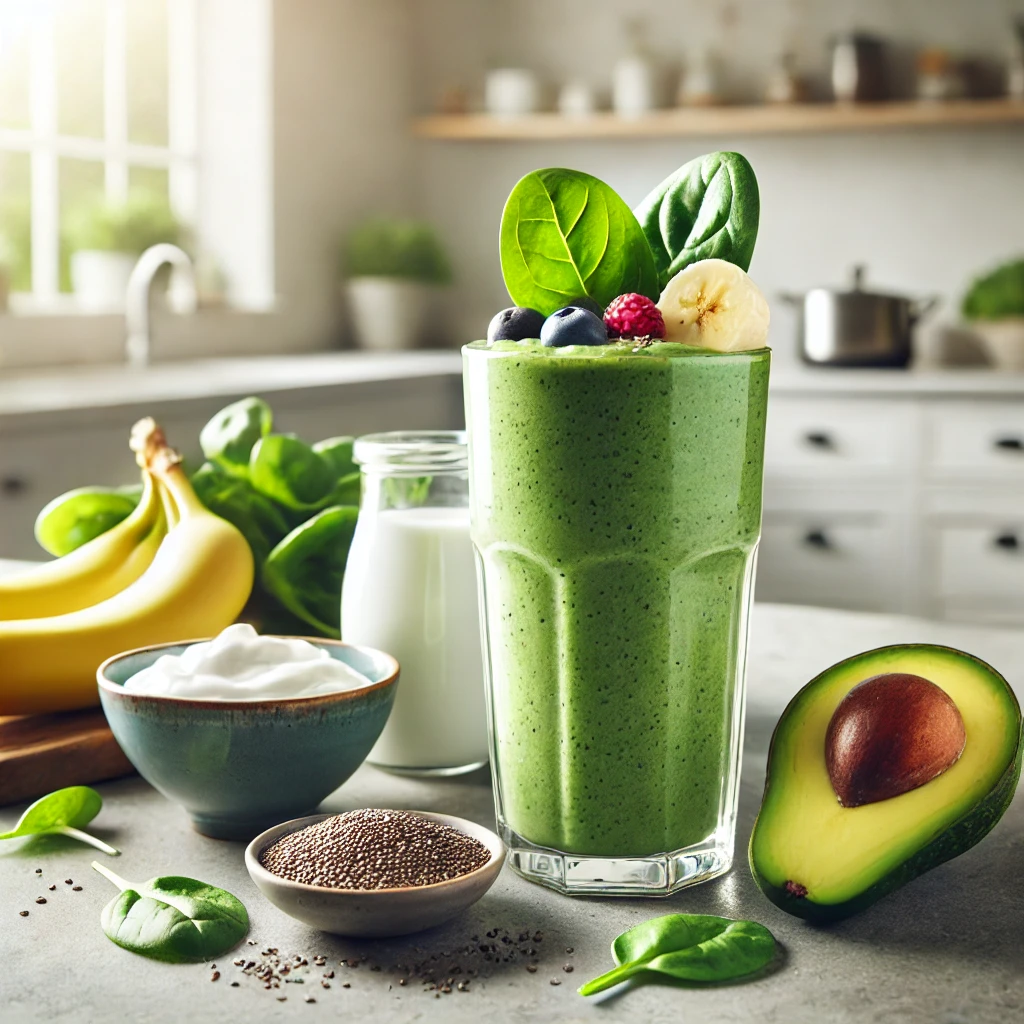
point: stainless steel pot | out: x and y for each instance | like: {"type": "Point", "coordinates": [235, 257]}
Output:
{"type": "Point", "coordinates": [857, 327]}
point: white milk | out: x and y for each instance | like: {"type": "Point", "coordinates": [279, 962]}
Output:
{"type": "Point", "coordinates": [410, 590]}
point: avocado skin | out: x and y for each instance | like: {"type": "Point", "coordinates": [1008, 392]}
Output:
{"type": "Point", "coordinates": [959, 837]}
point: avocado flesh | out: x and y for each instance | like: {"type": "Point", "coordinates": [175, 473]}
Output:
{"type": "Point", "coordinates": [847, 857]}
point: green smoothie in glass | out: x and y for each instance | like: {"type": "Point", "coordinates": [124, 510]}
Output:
{"type": "Point", "coordinates": [615, 497]}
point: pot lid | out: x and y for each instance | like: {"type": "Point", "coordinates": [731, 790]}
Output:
{"type": "Point", "coordinates": [858, 275]}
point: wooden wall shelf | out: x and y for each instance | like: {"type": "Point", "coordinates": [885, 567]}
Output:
{"type": "Point", "coordinates": [763, 120]}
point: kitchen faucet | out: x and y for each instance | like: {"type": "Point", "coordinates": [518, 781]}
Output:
{"type": "Point", "coordinates": [136, 304]}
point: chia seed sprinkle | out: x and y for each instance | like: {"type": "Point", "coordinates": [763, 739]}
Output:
{"type": "Point", "coordinates": [22, 913]}
{"type": "Point", "coordinates": [40, 899]}
{"type": "Point", "coordinates": [374, 849]}
{"type": "Point", "coordinates": [76, 888]}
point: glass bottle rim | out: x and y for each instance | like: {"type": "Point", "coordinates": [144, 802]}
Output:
{"type": "Point", "coordinates": [412, 451]}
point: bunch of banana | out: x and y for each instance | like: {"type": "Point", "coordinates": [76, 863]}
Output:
{"type": "Point", "coordinates": [97, 570]}
{"type": "Point", "coordinates": [172, 571]}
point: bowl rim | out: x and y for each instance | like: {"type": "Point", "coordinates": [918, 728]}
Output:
{"type": "Point", "coordinates": [494, 863]}
{"type": "Point", "coordinates": [220, 704]}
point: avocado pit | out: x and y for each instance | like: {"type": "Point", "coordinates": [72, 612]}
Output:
{"type": "Point", "coordinates": [890, 734]}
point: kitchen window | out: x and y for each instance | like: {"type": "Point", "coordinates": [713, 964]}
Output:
{"type": "Point", "coordinates": [97, 97]}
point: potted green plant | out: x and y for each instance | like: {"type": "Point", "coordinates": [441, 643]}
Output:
{"type": "Point", "coordinates": [994, 308]}
{"type": "Point", "coordinates": [106, 238]}
{"type": "Point", "coordinates": [393, 269]}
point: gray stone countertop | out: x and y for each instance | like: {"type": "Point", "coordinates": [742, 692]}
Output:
{"type": "Point", "coordinates": [944, 950]}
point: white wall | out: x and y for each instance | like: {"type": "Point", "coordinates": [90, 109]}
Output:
{"type": "Point", "coordinates": [342, 102]}
{"type": "Point", "coordinates": [924, 209]}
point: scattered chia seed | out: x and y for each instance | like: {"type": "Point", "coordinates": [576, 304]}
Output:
{"type": "Point", "coordinates": [68, 881]}
{"type": "Point", "coordinates": [234, 984]}
{"type": "Point", "coordinates": [39, 871]}
{"type": "Point", "coordinates": [375, 849]}
{"type": "Point", "coordinates": [22, 913]}
{"type": "Point", "coordinates": [52, 888]}
{"type": "Point", "coordinates": [567, 968]}
{"type": "Point", "coordinates": [556, 981]}
{"type": "Point", "coordinates": [215, 976]}
{"type": "Point", "coordinates": [346, 985]}
{"type": "Point", "coordinates": [76, 888]}
{"type": "Point", "coordinates": [40, 899]}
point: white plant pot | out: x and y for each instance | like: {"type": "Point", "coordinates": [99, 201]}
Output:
{"type": "Point", "coordinates": [1003, 341]}
{"type": "Point", "coordinates": [100, 279]}
{"type": "Point", "coordinates": [388, 313]}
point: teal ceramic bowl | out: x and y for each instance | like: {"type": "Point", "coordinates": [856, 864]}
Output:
{"type": "Point", "coordinates": [238, 767]}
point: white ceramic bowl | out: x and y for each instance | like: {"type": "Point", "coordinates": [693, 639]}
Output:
{"type": "Point", "coordinates": [375, 913]}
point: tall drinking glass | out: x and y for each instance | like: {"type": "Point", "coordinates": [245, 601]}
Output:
{"type": "Point", "coordinates": [615, 500]}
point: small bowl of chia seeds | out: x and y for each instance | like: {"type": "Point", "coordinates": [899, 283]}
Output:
{"type": "Point", "coordinates": [373, 872]}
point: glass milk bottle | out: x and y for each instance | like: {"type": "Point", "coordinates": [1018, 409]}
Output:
{"type": "Point", "coordinates": [410, 589]}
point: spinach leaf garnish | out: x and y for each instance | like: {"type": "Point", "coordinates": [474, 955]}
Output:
{"type": "Point", "coordinates": [64, 812]}
{"type": "Point", "coordinates": [688, 947]}
{"type": "Point", "coordinates": [708, 209]}
{"type": "Point", "coordinates": [171, 918]}
{"type": "Point", "coordinates": [565, 235]}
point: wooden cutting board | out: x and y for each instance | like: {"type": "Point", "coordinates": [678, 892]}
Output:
{"type": "Point", "coordinates": [41, 753]}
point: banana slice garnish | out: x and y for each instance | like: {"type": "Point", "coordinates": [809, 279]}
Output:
{"type": "Point", "coordinates": [714, 304]}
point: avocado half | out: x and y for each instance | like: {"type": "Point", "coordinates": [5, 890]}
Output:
{"type": "Point", "coordinates": [821, 861]}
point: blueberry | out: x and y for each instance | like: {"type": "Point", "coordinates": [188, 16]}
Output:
{"type": "Point", "coordinates": [586, 302]}
{"type": "Point", "coordinates": [573, 326]}
{"type": "Point", "coordinates": [515, 324]}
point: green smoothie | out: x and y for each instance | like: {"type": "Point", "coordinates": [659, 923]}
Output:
{"type": "Point", "coordinates": [616, 509]}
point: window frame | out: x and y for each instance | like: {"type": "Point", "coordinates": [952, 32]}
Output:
{"type": "Point", "coordinates": [45, 146]}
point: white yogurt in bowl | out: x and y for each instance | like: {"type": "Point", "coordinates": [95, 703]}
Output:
{"type": "Point", "coordinates": [239, 664]}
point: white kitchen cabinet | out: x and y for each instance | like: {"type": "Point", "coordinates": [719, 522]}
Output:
{"type": "Point", "coordinates": [894, 491]}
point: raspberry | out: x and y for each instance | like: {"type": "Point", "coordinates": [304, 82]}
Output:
{"type": "Point", "coordinates": [634, 316]}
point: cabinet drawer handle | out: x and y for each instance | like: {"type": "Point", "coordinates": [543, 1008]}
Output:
{"type": "Point", "coordinates": [12, 486]}
{"type": "Point", "coordinates": [818, 540]}
{"type": "Point", "coordinates": [1010, 444]}
{"type": "Point", "coordinates": [1007, 541]}
{"type": "Point", "coordinates": [817, 439]}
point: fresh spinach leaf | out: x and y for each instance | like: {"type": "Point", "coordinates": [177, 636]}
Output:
{"type": "Point", "coordinates": [171, 918]}
{"type": "Point", "coordinates": [406, 491]}
{"type": "Point", "coordinates": [286, 469]}
{"type": "Point", "coordinates": [708, 209]}
{"type": "Point", "coordinates": [688, 947]}
{"type": "Point", "coordinates": [228, 439]}
{"type": "Point", "coordinates": [348, 490]}
{"type": "Point", "coordinates": [75, 518]}
{"type": "Point", "coordinates": [236, 500]}
{"type": "Point", "coordinates": [305, 571]}
{"type": "Point", "coordinates": [64, 812]}
{"type": "Point", "coordinates": [338, 453]}
{"type": "Point", "coordinates": [564, 235]}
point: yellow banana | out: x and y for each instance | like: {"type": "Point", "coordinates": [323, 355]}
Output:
{"type": "Point", "coordinates": [97, 570]}
{"type": "Point", "coordinates": [197, 584]}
